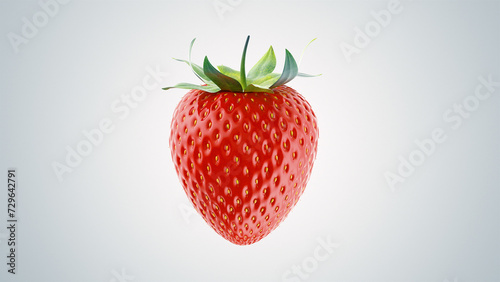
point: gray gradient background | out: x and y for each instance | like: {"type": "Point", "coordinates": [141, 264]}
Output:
{"type": "Point", "coordinates": [121, 210]}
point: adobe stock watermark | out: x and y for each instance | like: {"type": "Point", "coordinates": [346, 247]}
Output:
{"type": "Point", "coordinates": [121, 108]}
{"type": "Point", "coordinates": [121, 276]}
{"type": "Point", "coordinates": [223, 6]}
{"type": "Point", "coordinates": [31, 27]}
{"type": "Point", "coordinates": [363, 37]}
{"type": "Point", "coordinates": [322, 252]}
{"type": "Point", "coordinates": [453, 117]}
{"type": "Point", "coordinates": [187, 211]}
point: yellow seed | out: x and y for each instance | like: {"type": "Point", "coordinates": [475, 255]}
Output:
{"type": "Point", "coordinates": [237, 182]}
{"type": "Point", "coordinates": [246, 210]}
{"type": "Point", "coordinates": [238, 201]}
{"type": "Point", "coordinates": [236, 159]}
{"type": "Point", "coordinates": [216, 158]}
{"type": "Point", "coordinates": [239, 218]}
{"type": "Point", "coordinates": [195, 121]}
{"type": "Point", "coordinates": [227, 126]}
{"type": "Point", "coordinates": [228, 191]}
{"type": "Point", "coordinates": [253, 218]}
{"type": "Point", "coordinates": [272, 200]}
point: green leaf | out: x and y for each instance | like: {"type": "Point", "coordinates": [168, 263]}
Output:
{"type": "Point", "coordinates": [290, 70]}
{"type": "Point", "coordinates": [301, 74]}
{"type": "Point", "coordinates": [304, 51]}
{"type": "Point", "coordinates": [243, 78]}
{"type": "Point", "coordinates": [208, 88]}
{"type": "Point", "coordinates": [257, 88]}
{"type": "Point", "coordinates": [196, 72]}
{"type": "Point", "coordinates": [229, 72]}
{"type": "Point", "coordinates": [267, 80]}
{"type": "Point", "coordinates": [223, 81]}
{"type": "Point", "coordinates": [196, 69]}
{"type": "Point", "coordinates": [264, 66]}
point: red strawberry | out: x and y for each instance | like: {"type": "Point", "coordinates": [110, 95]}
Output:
{"type": "Point", "coordinates": [244, 146]}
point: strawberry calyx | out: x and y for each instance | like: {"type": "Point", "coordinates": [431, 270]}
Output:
{"type": "Point", "coordinates": [260, 78]}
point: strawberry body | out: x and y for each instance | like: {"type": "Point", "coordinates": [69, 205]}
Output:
{"type": "Point", "coordinates": [244, 159]}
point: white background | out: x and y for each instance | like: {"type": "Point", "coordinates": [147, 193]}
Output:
{"type": "Point", "coordinates": [121, 214]}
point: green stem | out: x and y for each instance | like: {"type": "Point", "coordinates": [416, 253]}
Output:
{"type": "Point", "coordinates": [243, 76]}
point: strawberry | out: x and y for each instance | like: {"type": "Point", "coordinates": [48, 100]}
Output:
{"type": "Point", "coordinates": [243, 146]}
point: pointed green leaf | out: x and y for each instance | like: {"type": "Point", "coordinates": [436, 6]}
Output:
{"type": "Point", "coordinates": [197, 70]}
{"type": "Point", "coordinates": [243, 75]}
{"type": "Point", "coordinates": [304, 51]}
{"type": "Point", "coordinates": [223, 81]}
{"type": "Point", "coordinates": [290, 70]}
{"type": "Point", "coordinates": [266, 81]}
{"type": "Point", "coordinates": [229, 72]}
{"type": "Point", "coordinates": [301, 74]}
{"type": "Point", "coordinates": [191, 65]}
{"type": "Point", "coordinates": [264, 66]}
{"type": "Point", "coordinates": [208, 88]}
{"type": "Point", "coordinates": [257, 88]}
